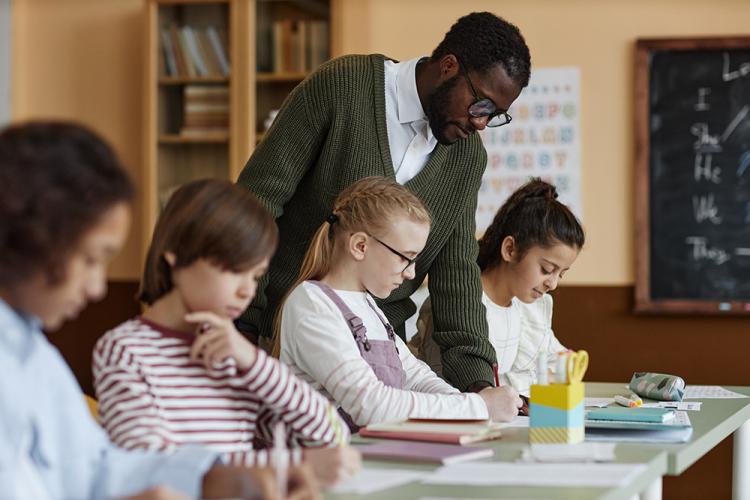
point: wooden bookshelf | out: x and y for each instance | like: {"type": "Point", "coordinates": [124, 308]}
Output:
{"type": "Point", "coordinates": [188, 137]}
{"type": "Point", "coordinates": [280, 77]}
{"type": "Point", "coordinates": [292, 38]}
{"type": "Point", "coordinates": [184, 80]}
{"type": "Point", "coordinates": [174, 153]}
{"type": "Point", "coordinates": [197, 139]}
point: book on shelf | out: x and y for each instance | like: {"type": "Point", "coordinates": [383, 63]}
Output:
{"type": "Point", "coordinates": [176, 45]}
{"type": "Point", "coordinates": [295, 46]}
{"type": "Point", "coordinates": [218, 49]}
{"type": "Point", "coordinates": [170, 61]}
{"type": "Point", "coordinates": [206, 110]}
{"type": "Point", "coordinates": [433, 453]}
{"type": "Point", "coordinates": [194, 52]}
{"type": "Point", "coordinates": [435, 430]}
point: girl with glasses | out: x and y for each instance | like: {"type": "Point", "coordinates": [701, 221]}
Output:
{"type": "Point", "coordinates": [334, 336]}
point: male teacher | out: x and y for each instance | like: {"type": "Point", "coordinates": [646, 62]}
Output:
{"type": "Point", "coordinates": [414, 121]}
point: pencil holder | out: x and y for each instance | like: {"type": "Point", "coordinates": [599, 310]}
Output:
{"type": "Point", "coordinates": [556, 413]}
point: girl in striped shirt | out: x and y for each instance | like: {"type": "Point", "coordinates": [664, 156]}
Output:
{"type": "Point", "coordinates": [181, 373]}
{"type": "Point", "coordinates": [332, 333]}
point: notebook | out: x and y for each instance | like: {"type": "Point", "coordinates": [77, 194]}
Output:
{"type": "Point", "coordinates": [437, 431]}
{"type": "Point", "coordinates": [625, 414]}
{"type": "Point", "coordinates": [677, 430]}
{"type": "Point", "coordinates": [423, 452]}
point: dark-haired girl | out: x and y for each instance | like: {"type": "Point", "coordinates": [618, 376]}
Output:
{"type": "Point", "coordinates": [532, 242]}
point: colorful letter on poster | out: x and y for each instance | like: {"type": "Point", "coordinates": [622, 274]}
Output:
{"type": "Point", "coordinates": [543, 140]}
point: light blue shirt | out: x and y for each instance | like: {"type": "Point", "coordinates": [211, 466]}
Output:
{"type": "Point", "coordinates": [50, 443]}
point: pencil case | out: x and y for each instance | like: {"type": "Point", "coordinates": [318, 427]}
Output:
{"type": "Point", "coordinates": [659, 386]}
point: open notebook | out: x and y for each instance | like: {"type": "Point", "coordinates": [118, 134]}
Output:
{"type": "Point", "coordinates": [437, 431]}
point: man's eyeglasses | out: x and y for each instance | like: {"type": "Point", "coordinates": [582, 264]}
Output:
{"type": "Point", "coordinates": [483, 106]}
{"type": "Point", "coordinates": [409, 262]}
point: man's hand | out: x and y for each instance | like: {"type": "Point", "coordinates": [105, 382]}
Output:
{"type": "Point", "coordinates": [502, 402]}
{"type": "Point", "coordinates": [333, 465]}
{"type": "Point", "coordinates": [258, 482]}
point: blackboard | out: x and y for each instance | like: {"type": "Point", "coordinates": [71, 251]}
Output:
{"type": "Point", "coordinates": [693, 175]}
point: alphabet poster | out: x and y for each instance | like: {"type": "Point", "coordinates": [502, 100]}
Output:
{"type": "Point", "coordinates": [542, 140]}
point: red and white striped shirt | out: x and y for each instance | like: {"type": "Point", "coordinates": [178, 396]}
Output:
{"type": "Point", "coordinates": [153, 397]}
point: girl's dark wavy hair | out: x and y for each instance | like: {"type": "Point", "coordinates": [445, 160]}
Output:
{"type": "Point", "coordinates": [56, 181]}
{"type": "Point", "coordinates": [533, 216]}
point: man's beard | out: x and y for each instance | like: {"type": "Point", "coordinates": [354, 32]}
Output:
{"type": "Point", "coordinates": [437, 104]}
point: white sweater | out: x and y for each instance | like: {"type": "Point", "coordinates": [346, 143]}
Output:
{"type": "Point", "coordinates": [519, 333]}
{"type": "Point", "coordinates": [319, 348]}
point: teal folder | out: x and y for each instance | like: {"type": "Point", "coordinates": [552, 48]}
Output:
{"type": "Point", "coordinates": [674, 430]}
{"type": "Point", "coordinates": [624, 414]}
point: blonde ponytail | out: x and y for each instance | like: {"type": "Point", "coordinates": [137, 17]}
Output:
{"type": "Point", "coordinates": [316, 264]}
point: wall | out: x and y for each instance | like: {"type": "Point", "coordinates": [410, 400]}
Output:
{"type": "Point", "coordinates": [82, 60]}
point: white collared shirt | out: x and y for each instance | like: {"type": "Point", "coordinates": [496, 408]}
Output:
{"type": "Point", "coordinates": [409, 135]}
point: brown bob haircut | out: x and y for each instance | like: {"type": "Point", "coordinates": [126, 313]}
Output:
{"type": "Point", "coordinates": [208, 219]}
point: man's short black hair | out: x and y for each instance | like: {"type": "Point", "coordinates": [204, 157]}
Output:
{"type": "Point", "coordinates": [481, 40]}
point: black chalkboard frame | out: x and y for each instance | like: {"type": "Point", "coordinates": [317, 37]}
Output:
{"type": "Point", "coordinates": [644, 302]}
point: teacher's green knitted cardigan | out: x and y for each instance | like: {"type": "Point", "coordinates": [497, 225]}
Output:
{"type": "Point", "coordinates": [330, 132]}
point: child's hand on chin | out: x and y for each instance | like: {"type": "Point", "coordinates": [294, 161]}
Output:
{"type": "Point", "coordinates": [218, 339]}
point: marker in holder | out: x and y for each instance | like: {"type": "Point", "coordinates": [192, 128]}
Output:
{"type": "Point", "coordinates": [556, 410]}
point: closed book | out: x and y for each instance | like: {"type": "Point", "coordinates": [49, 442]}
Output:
{"type": "Point", "coordinates": [623, 414]}
{"type": "Point", "coordinates": [194, 52]}
{"type": "Point", "coordinates": [185, 50]}
{"type": "Point", "coordinates": [174, 34]}
{"type": "Point", "coordinates": [219, 50]}
{"type": "Point", "coordinates": [423, 452]}
{"type": "Point", "coordinates": [207, 52]}
{"type": "Point", "coordinates": [169, 56]}
{"type": "Point", "coordinates": [437, 431]}
{"type": "Point", "coordinates": [676, 430]}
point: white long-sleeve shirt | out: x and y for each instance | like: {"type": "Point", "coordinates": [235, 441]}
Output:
{"type": "Point", "coordinates": [519, 333]}
{"type": "Point", "coordinates": [319, 348]}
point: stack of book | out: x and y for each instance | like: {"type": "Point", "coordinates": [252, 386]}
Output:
{"type": "Point", "coordinates": [206, 110]}
{"type": "Point", "coordinates": [457, 432]}
{"type": "Point", "coordinates": [293, 46]}
{"type": "Point", "coordinates": [194, 52]}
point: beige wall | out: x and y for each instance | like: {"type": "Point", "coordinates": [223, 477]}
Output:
{"type": "Point", "coordinates": [82, 59]}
